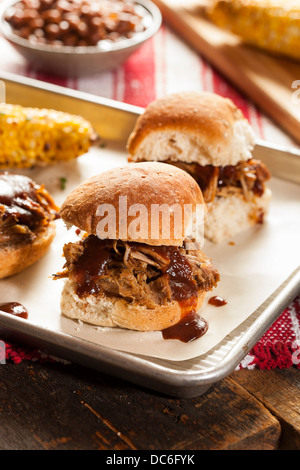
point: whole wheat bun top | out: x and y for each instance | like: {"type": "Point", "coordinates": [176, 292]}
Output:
{"type": "Point", "coordinates": [191, 127]}
{"type": "Point", "coordinates": [122, 203]}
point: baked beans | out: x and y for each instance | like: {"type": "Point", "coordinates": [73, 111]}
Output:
{"type": "Point", "coordinates": [75, 22]}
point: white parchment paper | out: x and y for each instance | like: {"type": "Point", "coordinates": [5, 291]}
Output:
{"type": "Point", "coordinates": [251, 269]}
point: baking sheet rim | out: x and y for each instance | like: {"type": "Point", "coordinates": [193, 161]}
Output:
{"type": "Point", "coordinates": [144, 371]}
{"type": "Point", "coordinates": [150, 372]}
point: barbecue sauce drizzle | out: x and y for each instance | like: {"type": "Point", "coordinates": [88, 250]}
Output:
{"type": "Point", "coordinates": [96, 258]}
{"type": "Point", "coordinates": [16, 309]}
{"type": "Point", "coordinates": [185, 292]}
{"type": "Point", "coordinates": [192, 326]}
{"type": "Point", "coordinates": [217, 301]}
{"type": "Point", "coordinates": [18, 195]}
{"type": "Point", "coordinates": [14, 190]}
{"type": "Point", "coordinates": [92, 264]}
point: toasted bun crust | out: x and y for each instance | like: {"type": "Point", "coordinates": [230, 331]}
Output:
{"type": "Point", "coordinates": [115, 312]}
{"type": "Point", "coordinates": [106, 205]}
{"type": "Point", "coordinates": [192, 127]}
{"type": "Point", "coordinates": [16, 258]}
{"type": "Point", "coordinates": [230, 215]}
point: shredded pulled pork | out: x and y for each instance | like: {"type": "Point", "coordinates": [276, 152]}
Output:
{"type": "Point", "coordinates": [137, 272]}
{"type": "Point", "coordinates": [25, 207]}
{"type": "Point", "coordinates": [248, 176]}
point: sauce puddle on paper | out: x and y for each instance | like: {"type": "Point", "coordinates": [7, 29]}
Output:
{"type": "Point", "coordinates": [15, 309]}
{"type": "Point", "coordinates": [189, 328]}
{"type": "Point", "coordinates": [217, 301]}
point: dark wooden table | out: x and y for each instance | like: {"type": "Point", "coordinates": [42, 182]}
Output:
{"type": "Point", "coordinates": [57, 406]}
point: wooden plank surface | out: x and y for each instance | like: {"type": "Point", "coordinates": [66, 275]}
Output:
{"type": "Point", "coordinates": [265, 79]}
{"type": "Point", "coordinates": [279, 391]}
{"type": "Point", "coordinates": [66, 407]}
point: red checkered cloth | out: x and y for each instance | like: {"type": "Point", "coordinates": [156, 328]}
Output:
{"type": "Point", "coordinates": [164, 65]}
{"type": "Point", "coordinates": [280, 345]}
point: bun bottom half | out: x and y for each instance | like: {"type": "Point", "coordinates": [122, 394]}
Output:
{"type": "Point", "coordinates": [230, 215]}
{"type": "Point", "coordinates": [106, 311]}
{"type": "Point", "coordinates": [16, 258]}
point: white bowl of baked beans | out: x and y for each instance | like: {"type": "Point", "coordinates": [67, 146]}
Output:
{"type": "Point", "coordinates": [78, 37]}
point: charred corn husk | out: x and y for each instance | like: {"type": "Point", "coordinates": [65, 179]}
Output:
{"type": "Point", "coordinates": [273, 25]}
{"type": "Point", "coordinates": [37, 137]}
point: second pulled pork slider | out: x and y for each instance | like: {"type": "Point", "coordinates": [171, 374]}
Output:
{"type": "Point", "coordinates": [209, 137]}
{"type": "Point", "coordinates": [121, 273]}
{"type": "Point", "coordinates": [27, 223]}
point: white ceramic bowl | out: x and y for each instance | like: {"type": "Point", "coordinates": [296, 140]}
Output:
{"type": "Point", "coordinates": [80, 61]}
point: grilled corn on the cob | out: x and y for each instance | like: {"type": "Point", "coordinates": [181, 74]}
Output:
{"type": "Point", "coordinates": [273, 25]}
{"type": "Point", "coordinates": [38, 137]}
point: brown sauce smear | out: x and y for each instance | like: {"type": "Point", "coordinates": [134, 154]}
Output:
{"type": "Point", "coordinates": [189, 328]}
{"type": "Point", "coordinates": [18, 194]}
{"type": "Point", "coordinates": [217, 301]}
{"type": "Point", "coordinates": [92, 264]}
{"type": "Point", "coordinates": [179, 272]}
{"type": "Point", "coordinates": [14, 308]}
{"type": "Point", "coordinates": [14, 187]}
{"type": "Point", "coordinates": [14, 190]}
{"type": "Point", "coordinates": [184, 290]}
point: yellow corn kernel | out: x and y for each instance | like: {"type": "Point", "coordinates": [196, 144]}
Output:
{"type": "Point", "coordinates": [273, 25]}
{"type": "Point", "coordinates": [37, 137]}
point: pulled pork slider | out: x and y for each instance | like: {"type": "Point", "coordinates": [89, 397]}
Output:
{"type": "Point", "coordinates": [27, 227]}
{"type": "Point", "coordinates": [209, 137]}
{"type": "Point", "coordinates": [121, 273]}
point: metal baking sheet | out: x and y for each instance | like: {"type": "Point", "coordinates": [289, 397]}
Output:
{"type": "Point", "coordinates": [114, 122]}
